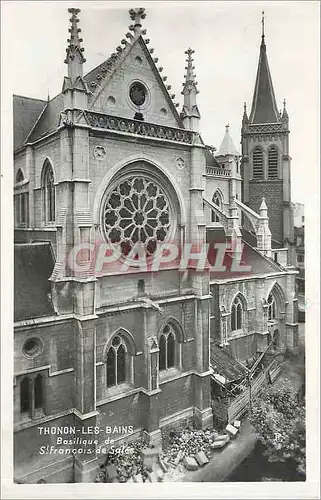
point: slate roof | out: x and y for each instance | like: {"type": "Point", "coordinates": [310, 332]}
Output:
{"type": "Point", "coordinates": [33, 265]}
{"type": "Point", "coordinates": [26, 112]}
{"type": "Point", "coordinates": [210, 159]}
{"type": "Point", "coordinates": [251, 258]}
{"type": "Point", "coordinates": [264, 107]}
{"type": "Point", "coordinates": [49, 119]}
{"type": "Point", "coordinates": [227, 146]}
{"type": "Point", "coordinates": [225, 365]}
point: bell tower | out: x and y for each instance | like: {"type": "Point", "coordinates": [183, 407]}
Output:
{"type": "Point", "coordinates": [266, 169]}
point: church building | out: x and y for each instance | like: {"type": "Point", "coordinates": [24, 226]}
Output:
{"type": "Point", "coordinates": [112, 160]}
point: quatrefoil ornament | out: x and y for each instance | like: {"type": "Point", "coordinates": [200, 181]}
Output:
{"type": "Point", "coordinates": [99, 152]}
{"type": "Point", "coordinates": [180, 163]}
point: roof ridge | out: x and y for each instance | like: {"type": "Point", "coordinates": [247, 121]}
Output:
{"type": "Point", "coordinates": [30, 98]}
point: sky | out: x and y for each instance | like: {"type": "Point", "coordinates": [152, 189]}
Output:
{"type": "Point", "coordinates": [226, 39]}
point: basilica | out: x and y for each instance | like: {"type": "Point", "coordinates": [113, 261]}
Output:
{"type": "Point", "coordinates": [114, 160]}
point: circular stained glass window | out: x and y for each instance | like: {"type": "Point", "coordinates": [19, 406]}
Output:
{"type": "Point", "coordinates": [137, 210]}
{"type": "Point", "coordinates": [32, 347]}
{"type": "Point", "coordinates": [137, 93]}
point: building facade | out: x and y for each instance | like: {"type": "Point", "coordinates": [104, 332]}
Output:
{"type": "Point", "coordinates": [111, 161]}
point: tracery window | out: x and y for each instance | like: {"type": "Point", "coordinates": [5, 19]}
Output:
{"type": "Point", "coordinates": [167, 347]}
{"type": "Point", "coordinates": [116, 362]}
{"type": "Point", "coordinates": [258, 164]}
{"type": "Point", "coordinates": [236, 314]}
{"type": "Point", "coordinates": [271, 307]}
{"type": "Point", "coordinates": [217, 200]}
{"type": "Point", "coordinates": [137, 210]}
{"type": "Point", "coordinates": [49, 197]}
{"type": "Point", "coordinates": [273, 161]}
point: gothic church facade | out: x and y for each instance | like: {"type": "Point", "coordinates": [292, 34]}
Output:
{"type": "Point", "coordinates": [110, 159]}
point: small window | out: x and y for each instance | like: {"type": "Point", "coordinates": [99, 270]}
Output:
{"type": "Point", "coordinates": [22, 209]}
{"type": "Point", "coordinates": [141, 287]}
{"type": "Point", "coordinates": [32, 395]}
{"type": "Point", "coordinates": [217, 200]}
{"type": "Point", "coordinates": [20, 177]}
{"type": "Point", "coordinates": [25, 395]}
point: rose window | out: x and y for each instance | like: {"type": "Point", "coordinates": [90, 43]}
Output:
{"type": "Point", "coordinates": [137, 210]}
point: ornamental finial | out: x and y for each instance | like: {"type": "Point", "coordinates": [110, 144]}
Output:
{"type": "Point", "coordinates": [137, 15]}
{"type": "Point", "coordinates": [74, 42]}
{"type": "Point", "coordinates": [263, 34]}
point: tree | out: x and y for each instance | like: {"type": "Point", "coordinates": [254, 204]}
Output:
{"type": "Point", "coordinates": [279, 419]}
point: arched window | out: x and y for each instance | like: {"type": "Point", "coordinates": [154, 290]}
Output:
{"type": "Point", "coordinates": [38, 392]}
{"type": "Point", "coordinates": [236, 314]}
{"type": "Point", "coordinates": [258, 164]}
{"type": "Point", "coordinates": [167, 348]}
{"type": "Point", "coordinates": [20, 177]}
{"type": "Point", "coordinates": [271, 307]}
{"type": "Point", "coordinates": [49, 199]}
{"type": "Point", "coordinates": [217, 200]}
{"type": "Point", "coordinates": [25, 395]}
{"type": "Point", "coordinates": [21, 200]}
{"type": "Point", "coordinates": [116, 362]}
{"type": "Point", "coordinates": [273, 162]}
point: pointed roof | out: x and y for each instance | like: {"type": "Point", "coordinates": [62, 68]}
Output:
{"type": "Point", "coordinates": [264, 107]}
{"type": "Point", "coordinates": [227, 146]}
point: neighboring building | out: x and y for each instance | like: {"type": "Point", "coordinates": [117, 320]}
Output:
{"type": "Point", "coordinates": [298, 217]}
{"type": "Point", "coordinates": [299, 232]}
{"type": "Point", "coordinates": [111, 160]}
{"type": "Point", "coordinates": [266, 161]}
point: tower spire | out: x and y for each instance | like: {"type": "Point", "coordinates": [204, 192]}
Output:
{"type": "Point", "coordinates": [74, 51]}
{"type": "Point", "coordinates": [263, 34]}
{"type": "Point", "coordinates": [264, 107]}
{"type": "Point", "coordinates": [190, 113]}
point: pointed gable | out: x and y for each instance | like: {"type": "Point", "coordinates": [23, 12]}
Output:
{"type": "Point", "coordinates": [264, 107]}
{"type": "Point", "coordinates": [111, 83]}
